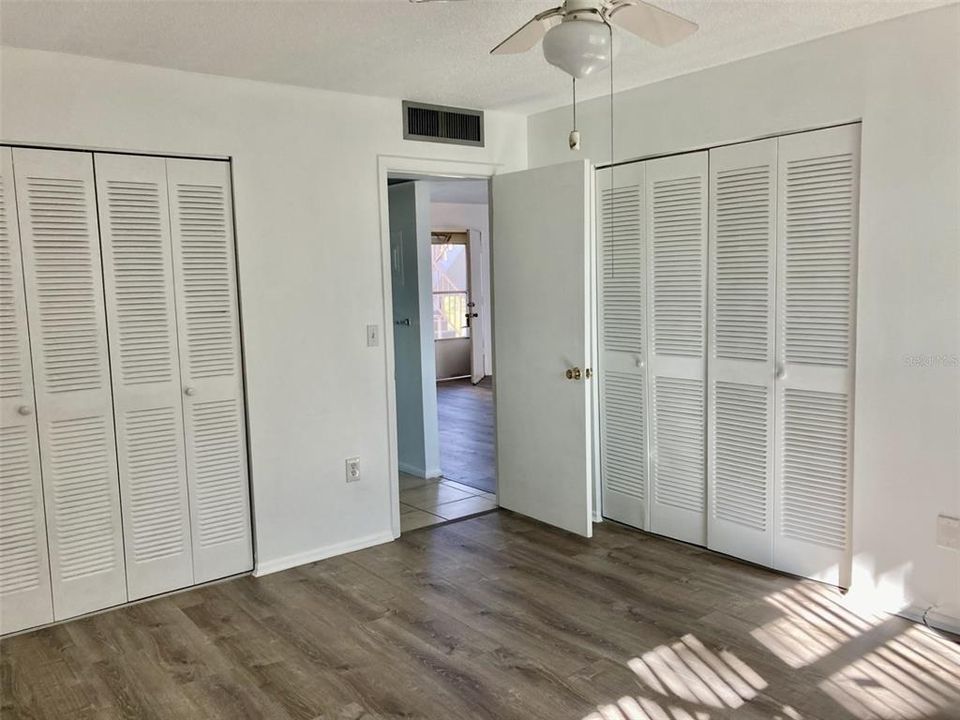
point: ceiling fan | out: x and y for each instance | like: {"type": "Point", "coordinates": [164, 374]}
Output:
{"type": "Point", "coordinates": [576, 36]}
{"type": "Point", "coordinates": [576, 41]}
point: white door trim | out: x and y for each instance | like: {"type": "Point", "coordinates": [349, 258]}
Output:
{"type": "Point", "coordinates": [425, 167]}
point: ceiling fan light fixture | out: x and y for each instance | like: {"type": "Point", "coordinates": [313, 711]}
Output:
{"type": "Point", "coordinates": [578, 46]}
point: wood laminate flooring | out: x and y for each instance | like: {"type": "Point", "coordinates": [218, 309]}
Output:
{"type": "Point", "coordinates": [465, 415]}
{"type": "Point", "coordinates": [493, 617]}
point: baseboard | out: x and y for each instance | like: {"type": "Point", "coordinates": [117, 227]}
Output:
{"type": "Point", "coordinates": [420, 472]}
{"type": "Point", "coordinates": [935, 619]}
{"type": "Point", "coordinates": [321, 553]}
{"type": "Point", "coordinates": [410, 469]}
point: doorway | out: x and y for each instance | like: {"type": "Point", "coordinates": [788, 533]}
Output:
{"type": "Point", "coordinates": [442, 327]}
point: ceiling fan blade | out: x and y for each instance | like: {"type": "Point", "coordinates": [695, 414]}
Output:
{"type": "Point", "coordinates": [528, 35]}
{"type": "Point", "coordinates": [650, 22]}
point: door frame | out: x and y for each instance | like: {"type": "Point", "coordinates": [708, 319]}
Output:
{"type": "Point", "coordinates": [425, 168]}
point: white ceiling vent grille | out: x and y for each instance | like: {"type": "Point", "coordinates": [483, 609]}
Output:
{"type": "Point", "coordinates": [435, 123]}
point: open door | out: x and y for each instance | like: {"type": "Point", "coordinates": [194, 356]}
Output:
{"type": "Point", "coordinates": [475, 302]}
{"type": "Point", "coordinates": [541, 276]}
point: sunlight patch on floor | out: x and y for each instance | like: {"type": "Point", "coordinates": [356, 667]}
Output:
{"type": "Point", "coordinates": [641, 708]}
{"type": "Point", "coordinates": [873, 670]}
{"type": "Point", "coordinates": [685, 671]}
{"type": "Point", "coordinates": [913, 676]}
{"type": "Point", "coordinates": [814, 624]}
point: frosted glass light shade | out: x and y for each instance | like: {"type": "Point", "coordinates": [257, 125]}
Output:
{"type": "Point", "coordinates": [578, 47]}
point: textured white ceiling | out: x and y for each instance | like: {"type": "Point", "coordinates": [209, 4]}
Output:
{"type": "Point", "coordinates": [434, 52]}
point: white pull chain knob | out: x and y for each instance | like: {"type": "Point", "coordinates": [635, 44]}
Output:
{"type": "Point", "coordinates": [189, 390]}
{"type": "Point", "coordinates": [24, 409]}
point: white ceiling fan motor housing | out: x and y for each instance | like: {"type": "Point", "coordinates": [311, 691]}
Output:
{"type": "Point", "coordinates": [580, 45]}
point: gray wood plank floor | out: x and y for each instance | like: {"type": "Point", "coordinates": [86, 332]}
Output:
{"type": "Point", "coordinates": [492, 617]}
{"type": "Point", "coordinates": [465, 414]}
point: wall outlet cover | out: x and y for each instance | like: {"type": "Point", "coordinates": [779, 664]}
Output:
{"type": "Point", "coordinates": [353, 469]}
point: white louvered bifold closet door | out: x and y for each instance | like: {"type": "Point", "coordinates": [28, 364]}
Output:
{"type": "Point", "coordinates": [624, 457]}
{"type": "Point", "coordinates": [817, 218]}
{"type": "Point", "coordinates": [142, 326]}
{"type": "Point", "coordinates": [743, 230]}
{"type": "Point", "coordinates": [210, 366]}
{"type": "Point", "coordinates": [676, 230]}
{"type": "Point", "coordinates": [25, 598]}
{"type": "Point", "coordinates": [61, 257]}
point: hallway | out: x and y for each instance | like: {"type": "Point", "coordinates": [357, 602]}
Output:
{"type": "Point", "coordinates": [467, 449]}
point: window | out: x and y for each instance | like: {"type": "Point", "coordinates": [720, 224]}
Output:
{"type": "Point", "coordinates": [451, 289]}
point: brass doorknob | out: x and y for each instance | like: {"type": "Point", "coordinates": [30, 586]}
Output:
{"type": "Point", "coordinates": [574, 373]}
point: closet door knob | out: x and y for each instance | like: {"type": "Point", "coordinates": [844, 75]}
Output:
{"type": "Point", "coordinates": [781, 372]}
{"type": "Point", "coordinates": [189, 390]}
{"type": "Point", "coordinates": [24, 409]}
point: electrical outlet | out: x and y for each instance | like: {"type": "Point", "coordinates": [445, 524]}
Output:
{"type": "Point", "coordinates": [353, 469]}
{"type": "Point", "coordinates": [373, 335]}
{"type": "Point", "coordinates": [948, 532]}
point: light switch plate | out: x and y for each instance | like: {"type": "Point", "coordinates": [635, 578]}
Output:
{"type": "Point", "coordinates": [948, 532]}
{"type": "Point", "coordinates": [373, 335]}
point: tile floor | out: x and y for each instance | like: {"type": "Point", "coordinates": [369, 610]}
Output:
{"type": "Point", "coordinates": [430, 502]}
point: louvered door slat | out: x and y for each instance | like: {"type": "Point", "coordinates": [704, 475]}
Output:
{"type": "Point", "coordinates": [817, 243]}
{"type": "Point", "coordinates": [25, 598]}
{"type": "Point", "coordinates": [209, 341]}
{"type": "Point", "coordinates": [623, 396]}
{"type": "Point", "coordinates": [141, 322]}
{"type": "Point", "coordinates": [676, 234]}
{"type": "Point", "coordinates": [743, 200]}
{"type": "Point", "coordinates": [61, 257]}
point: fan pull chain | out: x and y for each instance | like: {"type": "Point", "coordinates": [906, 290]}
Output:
{"type": "Point", "coordinates": [574, 134]}
{"type": "Point", "coordinates": [613, 258]}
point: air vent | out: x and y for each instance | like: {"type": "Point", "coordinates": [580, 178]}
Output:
{"type": "Point", "coordinates": [435, 123]}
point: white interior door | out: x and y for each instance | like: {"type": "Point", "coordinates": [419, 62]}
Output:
{"type": "Point", "coordinates": [475, 304]}
{"type": "Point", "coordinates": [60, 239]}
{"type": "Point", "coordinates": [743, 231]}
{"type": "Point", "coordinates": [141, 322]}
{"type": "Point", "coordinates": [24, 562]}
{"type": "Point", "coordinates": [816, 318]}
{"type": "Point", "coordinates": [624, 454]}
{"type": "Point", "coordinates": [676, 230]}
{"type": "Point", "coordinates": [541, 303]}
{"type": "Point", "coordinates": [210, 366]}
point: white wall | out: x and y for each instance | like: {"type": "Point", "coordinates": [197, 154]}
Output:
{"type": "Point", "coordinates": [453, 357]}
{"type": "Point", "coordinates": [308, 232]}
{"type": "Point", "coordinates": [415, 370]}
{"type": "Point", "coordinates": [902, 78]}
{"type": "Point", "coordinates": [472, 216]}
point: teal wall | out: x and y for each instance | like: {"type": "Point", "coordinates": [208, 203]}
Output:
{"type": "Point", "coordinates": [415, 364]}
